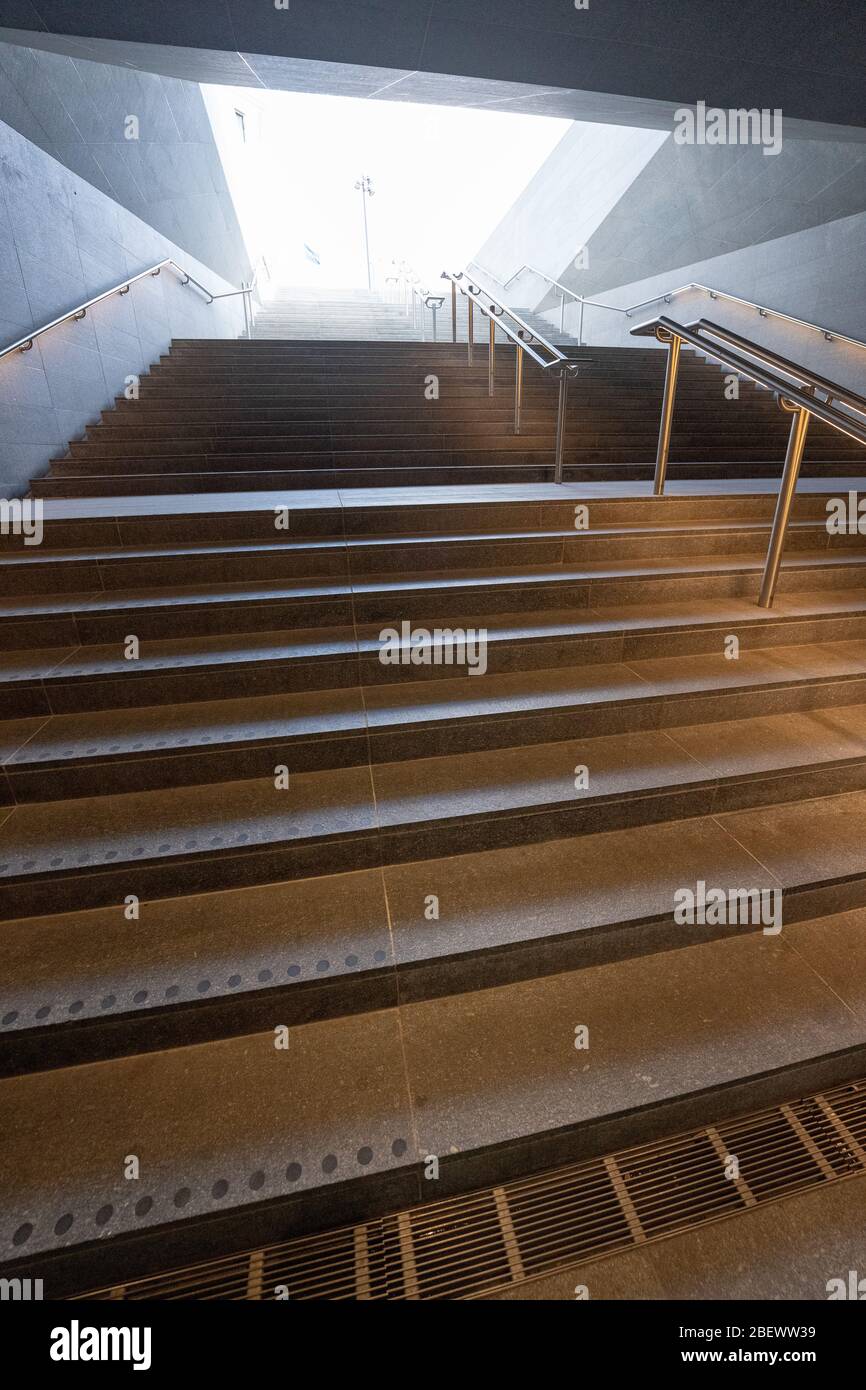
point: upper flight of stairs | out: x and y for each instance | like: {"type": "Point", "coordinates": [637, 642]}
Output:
{"type": "Point", "coordinates": [313, 315]}
{"type": "Point", "coordinates": [225, 416]}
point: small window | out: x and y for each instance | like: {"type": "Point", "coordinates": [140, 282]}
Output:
{"type": "Point", "coordinates": [242, 125]}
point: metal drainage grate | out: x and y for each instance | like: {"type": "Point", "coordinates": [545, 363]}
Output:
{"type": "Point", "coordinates": [485, 1240]}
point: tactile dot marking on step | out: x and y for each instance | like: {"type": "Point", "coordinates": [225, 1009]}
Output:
{"type": "Point", "coordinates": [183, 1196]}
{"type": "Point", "coordinates": [109, 1002]}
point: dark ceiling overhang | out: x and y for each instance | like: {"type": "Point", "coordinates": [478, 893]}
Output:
{"type": "Point", "coordinates": [632, 61]}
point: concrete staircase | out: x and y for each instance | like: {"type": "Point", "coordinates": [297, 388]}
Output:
{"type": "Point", "coordinates": [281, 995]}
{"type": "Point", "coordinates": [224, 416]}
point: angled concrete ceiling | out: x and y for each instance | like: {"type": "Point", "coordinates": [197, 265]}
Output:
{"type": "Point", "coordinates": [689, 204]}
{"type": "Point", "coordinates": [624, 61]}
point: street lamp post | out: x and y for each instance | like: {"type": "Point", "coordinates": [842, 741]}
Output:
{"type": "Point", "coordinates": [365, 186]}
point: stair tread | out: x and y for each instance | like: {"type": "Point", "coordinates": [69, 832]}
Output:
{"type": "Point", "coordinates": [192, 725]}
{"type": "Point", "coordinates": [68, 663]}
{"type": "Point", "coordinates": [196, 724]}
{"type": "Point", "coordinates": [181, 822]}
{"type": "Point", "coordinates": [74, 508]}
{"type": "Point", "coordinates": [47, 555]}
{"type": "Point", "coordinates": [422, 581]}
{"type": "Point", "coordinates": [509, 693]}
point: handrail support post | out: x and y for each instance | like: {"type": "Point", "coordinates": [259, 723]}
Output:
{"type": "Point", "coordinates": [664, 445]}
{"type": "Point", "coordinates": [491, 361]}
{"type": "Point", "coordinates": [518, 387]}
{"type": "Point", "coordinates": [453, 312]}
{"type": "Point", "coordinates": [470, 306]}
{"type": "Point", "coordinates": [561, 409]}
{"type": "Point", "coordinates": [784, 502]}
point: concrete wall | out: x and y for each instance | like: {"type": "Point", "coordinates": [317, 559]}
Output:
{"type": "Point", "coordinates": [560, 209]}
{"type": "Point", "coordinates": [171, 176]}
{"type": "Point", "coordinates": [692, 203]}
{"type": "Point", "coordinates": [786, 230]}
{"type": "Point", "coordinates": [815, 275]}
{"type": "Point", "coordinates": [61, 242]}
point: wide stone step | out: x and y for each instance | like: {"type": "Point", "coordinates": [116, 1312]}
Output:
{"type": "Point", "coordinates": [40, 570]}
{"type": "Point", "coordinates": [84, 753]}
{"type": "Point", "coordinates": [335, 513]}
{"type": "Point", "coordinates": [45, 620]}
{"type": "Point", "coordinates": [169, 671]}
{"type": "Point", "coordinates": [583, 755]}
{"type": "Point", "coordinates": [453, 469]}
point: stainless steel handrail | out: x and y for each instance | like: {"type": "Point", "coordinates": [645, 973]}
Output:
{"type": "Point", "coordinates": [26, 343]}
{"type": "Point", "coordinates": [829, 334]}
{"type": "Point", "coordinates": [523, 336]}
{"type": "Point", "coordinates": [427, 300]}
{"type": "Point", "coordinates": [799, 396]}
{"type": "Point", "coordinates": [833, 390]}
{"type": "Point", "coordinates": [799, 399]}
